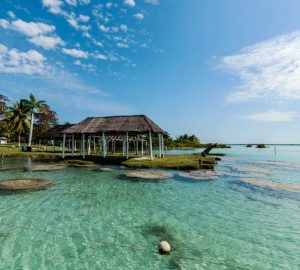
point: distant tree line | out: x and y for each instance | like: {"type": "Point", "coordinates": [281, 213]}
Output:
{"type": "Point", "coordinates": [19, 119]}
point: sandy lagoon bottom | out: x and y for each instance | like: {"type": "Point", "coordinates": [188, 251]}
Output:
{"type": "Point", "coordinates": [101, 220]}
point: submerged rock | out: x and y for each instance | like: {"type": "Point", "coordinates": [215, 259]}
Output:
{"type": "Point", "coordinates": [164, 248]}
{"type": "Point", "coordinates": [148, 175]}
{"type": "Point", "coordinates": [44, 168]}
{"type": "Point", "coordinates": [24, 184]}
{"type": "Point", "coordinates": [200, 175]}
{"type": "Point", "coordinates": [104, 169]}
{"type": "Point", "coordinates": [252, 169]}
{"type": "Point", "coordinates": [272, 185]}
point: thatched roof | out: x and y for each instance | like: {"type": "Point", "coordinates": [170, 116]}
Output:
{"type": "Point", "coordinates": [136, 124]}
{"type": "Point", "coordinates": [55, 132]}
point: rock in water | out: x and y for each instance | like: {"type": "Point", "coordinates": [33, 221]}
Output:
{"type": "Point", "coordinates": [164, 248]}
{"type": "Point", "coordinates": [148, 175]}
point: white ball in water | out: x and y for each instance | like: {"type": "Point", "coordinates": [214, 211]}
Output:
{"type": "Point", "coordinates": [164, 247]}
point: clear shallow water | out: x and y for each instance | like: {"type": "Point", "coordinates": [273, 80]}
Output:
{"type": "Point", "coordinates": [96, 220]}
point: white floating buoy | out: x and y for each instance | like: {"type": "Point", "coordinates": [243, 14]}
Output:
{"type": "Point", "coordinates": [164, 247]}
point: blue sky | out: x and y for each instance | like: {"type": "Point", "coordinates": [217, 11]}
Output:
{"type": "Point", "coordinates": [227, 71]}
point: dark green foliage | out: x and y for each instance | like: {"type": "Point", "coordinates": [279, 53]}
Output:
{"type": "Point", "coordinates": [261, 145]}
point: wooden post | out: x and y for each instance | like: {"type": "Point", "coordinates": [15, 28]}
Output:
{"type": "Point", "coordinates": [94, 145]}
{"type": "Point", "coordinates": [83, 146]}
{"type": "Point", "coordinates": [163, 145]}
{"type": "Point", "coordinates": [53, 146]}
{"type": "Point", "coordinates": [127, 145]}
{"type": "Point", "coordinates": [159, 145]}
{"type": "Point", "coordinates": [73, 145]}
{"type": "Point", "coordinates": [89, 145]}
{"type": "Point", "coordinates": [39, 145]}
{"type": "Point", "coordinates": [103, 145]}
{"type": "Point", "coordinates": [123, 141]}
{"type": "Point", "coordinates": [63, 145]}
{"type": "Point", "coordinates": [136, 146]}
{"type": "Point", "coordinates": [75, 148]}
{"type": "Point", "coordinates": [142, 148]}
{"type": "Point", "coordinates": [150, 145]}
{"type": "Point", "coordinates": [99, 146]}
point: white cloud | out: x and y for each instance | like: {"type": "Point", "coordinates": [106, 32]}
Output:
{"type": "Point", "coordinates": [75, 53]}
{"type": "Point", "coordinates": [100, 56]}
{"type": "Point", "coordinates": [124, 27]}
{"type": "Point", "coordinates": [268, 70]}
{"type": "Point", "coordinates": [130, 3]}
{"type": "Point", "coordinates": [103, 28]}
{"type": "Point", "coordinates": [122, 45]}
{"type": "Point", "coordinates": [272, 116]}
{"type": "Point", "coordinates": [46, 42]}
{"type": "Point", "coordinates": [54, 6]}
{"type": "Point", "coordinates": [32, 29]}
{"type": "Point", "coordinates": [139, 16]}
{"type": "Point", "coordinates": [152, 2]}
{"type": "Point", "coordinates": [108, 4]}
{"type": "Point", "coordinates": [84, 18]}
{"type": "Point", "coordinates": [40, 34]}
{"type": "Point", "coordinates": [11, 14]}
{"type": "Point", "coordinates": [88, 67]}
{"type": "Point", "coordinates": [4, 23]}
{"type": "Point", "coordinates": [71, 2]}
{"type": "Point", "coordinates": [16, 62]}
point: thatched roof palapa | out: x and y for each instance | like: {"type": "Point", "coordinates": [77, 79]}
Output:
{"type": "Point", "coordinates": [133, 124]}
{"type": "Point", "coordinates": [55, 132]}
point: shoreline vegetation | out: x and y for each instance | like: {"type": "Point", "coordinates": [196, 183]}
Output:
{"type": "Point", "coordinates": [175, 162]}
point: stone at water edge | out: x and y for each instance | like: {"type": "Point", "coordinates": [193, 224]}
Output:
{"type": "Point", "coordinates": [164, 248]}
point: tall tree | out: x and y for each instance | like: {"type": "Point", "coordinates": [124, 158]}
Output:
{"type": "Point", "coordinates": [4, 125]}
{"type": "Point", "coordinates": [19, 118]}
{"type": "Point", "coordinates": [45, 120]}
{"type": "Point", "coordinates": [34, 106]}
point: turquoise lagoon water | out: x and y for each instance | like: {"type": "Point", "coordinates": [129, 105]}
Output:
{"type": "Point", "coordinates": [101, 220]}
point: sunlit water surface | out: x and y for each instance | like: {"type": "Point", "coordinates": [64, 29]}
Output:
{"type": "Point", "coordinates": [101, 220]}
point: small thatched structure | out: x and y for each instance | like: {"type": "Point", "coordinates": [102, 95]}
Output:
{"type": "Point", "coordinates": [136, 128]}
{"type": "Point", "coordinates": [54, 134]}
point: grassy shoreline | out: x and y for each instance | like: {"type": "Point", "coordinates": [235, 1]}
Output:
{"type": "Point", "coordinates": [175, 162]}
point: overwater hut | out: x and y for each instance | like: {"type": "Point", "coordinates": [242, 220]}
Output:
{"type": "Point", "coordinates": [53, 135]}
{"type": "Point", "coordinates": [138, 129]}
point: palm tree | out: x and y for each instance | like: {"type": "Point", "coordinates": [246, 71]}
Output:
{"type": "Point", "coordinates": [34, 106]}
{"type": "Point", "coordinates": [19, 118]}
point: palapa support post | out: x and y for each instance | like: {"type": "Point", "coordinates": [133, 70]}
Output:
{"type": "Point", "coordinates": [103, 145]}
{"type": "Point", "coordinates": [83, 145]}
{"type": "Point", "coordinates": [40, 145]}
{"type": "Point", "coordinates": [142, 146]}
{"type": "Point", "coordinates": [73, 145]}
{"type": "Point", "coordinates": [159, 145]}
{"type": "Point", "coordinates": [63, 145]}
{"type": "Point", "coordinates": [100, 151]}
{"type": "Point", "coordinates": [150, 145]}
{"type": "Point", "coordinates": [89, 145]}
{"type": "Point", "coordinates": [136, 146]}
{"type": "Point", "coordinates": [127, 146]}
{"type": "Point", "coordinates": [94, 145]}
{"type": "Point", "coordinates": [162, 145]}
{"type": "Point", "coordinates": [123, 141]}
{"type": "Point", "coordinates": [53, 145]}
